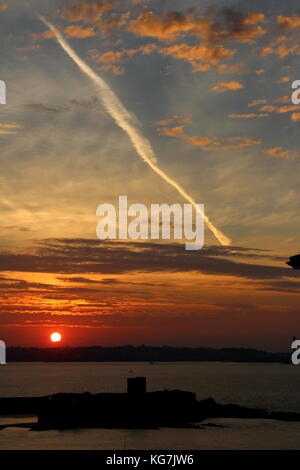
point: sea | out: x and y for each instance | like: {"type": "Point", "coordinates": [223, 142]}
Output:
{"type": "Point", "coordinates": [273, 387]}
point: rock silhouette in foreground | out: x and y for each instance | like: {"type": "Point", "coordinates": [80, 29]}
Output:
{"type": "Point", "coordinates": [294, 262]}
{"type": "Point", "coordinates": [135, 409]}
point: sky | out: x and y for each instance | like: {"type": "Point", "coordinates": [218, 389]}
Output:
{"type": "Point", "coordinates": [210, 83]}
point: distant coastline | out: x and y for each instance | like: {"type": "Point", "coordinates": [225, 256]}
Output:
{"type": "Point", "coordinates": [128, 353]}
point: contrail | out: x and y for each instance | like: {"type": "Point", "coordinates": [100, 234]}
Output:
{"type": "Point", "coordinates": [130, 124]}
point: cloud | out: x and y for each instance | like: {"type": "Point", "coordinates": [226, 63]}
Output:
{"type": "Point", "coordinates": [79, 256]}
{"type": "Point", "coordinates": [86, 280]}
{"type": "Point", "coordinates": [115, 69]}
{"type": "Point", "coordinates": [264, 51]}
{"type": "Point", "coordinates": [282, 46]}
{"type": "Point", "coordinates": [171, 132]}
{"type": "Point", "coordinates": [282, 286]}
{"type": "Point", "coordinates": [284, 99]}
{"type": "Point", "coordinates": [39, 107]}
{"type": "Point", "coordinates": [289, 23]}
{"type": "Point", "coordinates": [44, 35]}
{"type": "Point", "coordinates": [295, 117]}
{"type": "Point", "coordinates": [81, 299]}
{"type": "Point", "coordinates": [113, 60]}
{"type": "Point", "coordinates": [78, 32]}
{"type": "Point", "coordinates": [4, 132]}
{"type": "Point", "coordinates": [45, 108]}
{"type": "Point", "coordinates": [284, 80]}
{"type": "Point", "coordinates": [279, 109]}
{"type": "Point", "coordinates": [214, 27]}
{"type": "Point", "coordinates": [256, 102]}
{"type": "Point", "coordinates": [207, 143]}
{"type": "Point", "coordinates": [174, 119]}
{"type": "Point", "coordinates": [200, 141]}
{"type": "Point", "coordinates": [239, 26]}
{"type": "Point", "coordinates": [201, 52]}
{"type": "Point", "coordinates": [221, 87]}
{"type": "Point", "coordinates": [72, 31]}
{"type": "Point", "coordinates": [28, 48]}
{"type": "Point", "coordinates": [10, 126]}
{"type": "Point", "coordinates": [280, 152]}
{"type": "Point", "coordinates": [248, 116]}
{"type": "Point", "coordinates": [168, 25]}
{"type": "Point", "coordinates": [89, 11]}
{"type": "Point", "coordinates": [110, 57]}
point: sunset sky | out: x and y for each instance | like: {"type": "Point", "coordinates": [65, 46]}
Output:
{"type": "Point", "coordinates": [210, 82]}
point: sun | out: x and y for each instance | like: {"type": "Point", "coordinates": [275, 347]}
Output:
{"type": "Point", "coordinates": [55, 337]}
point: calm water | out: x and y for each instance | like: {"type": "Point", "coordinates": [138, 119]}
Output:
{"type": "Point", "coordinates": [270, 386]}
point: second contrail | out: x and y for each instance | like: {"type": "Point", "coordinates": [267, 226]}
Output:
{"type": "Point", "coordinates": [130, 124]}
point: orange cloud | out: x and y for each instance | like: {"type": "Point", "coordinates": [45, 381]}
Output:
{"type": "Point", "coordinates": [114, 21]}
{"type": "Point", "coordinates": [279, 109]}
{"type": "Point", "coordinates": [265, 51]}
{"type": "Point", "coordinates": [171, 132]}
{"type": "Point", "coordinates": [256, 102]}
{"type": "Point", "coordinates": [242, 142]}
{"type": "Point", "coordinates": [209, 144]}
{"type": "Point", "coordinates": [287, 109]}
{"type": "Point", "coordinates": [221, 87]}
{"type": "Point", "coordinates": [176, 118]}
{"type": "Point", "coordinates": [224, 68]}
{"type": "Point", "coordinates": [167, 26]}
{"type": "Point", "coordinates": [282, 46]}
{"type": "Point", "coordinates": [248, 116]}
{"type": "Point", "coordinates": [290, 23]}
{"type": "Point", "coordinates": [10, 126]}
{"type": "Point", "coordinates": [200, 141]}
{"type": "Point", "coordinates": [45, 35]}
{"type": "Point", "coordinates": [71, 31]}
{"type": "Point", "coordinates": [283, 50]}
{"type": "Point", "coordinates": [228, 25]}
{"type": "Point", "coordinates": [90, 12]}
{"type": "Point", "coordinates": [283, 80]}
{"type": "Point", "coordinates": [269, 108]}
{"type": "Point", "coordinates": [283, 99]}
{"type": "Point", "coordinates": [242, 26]}
{"type": "Point", "coordinates": [114, 57]}
{"type": "Point", "coordinates": [252, 18]}
{"type": "Point", "coordinates": [111, 57]}
{"type": "Point", "coordinates": [148, 49]}
{"type": "Point", "coordinates": [78, 32]}
{"type": "Point", "coordinates": [202, 52]}
{"type": "Point", "coordinates": [295, 117]}
{"type": "Point", "coordinates": [279, 152]}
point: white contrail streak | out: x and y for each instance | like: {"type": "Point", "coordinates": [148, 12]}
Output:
{"type": "Point", "coordinates": [130, 124]}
